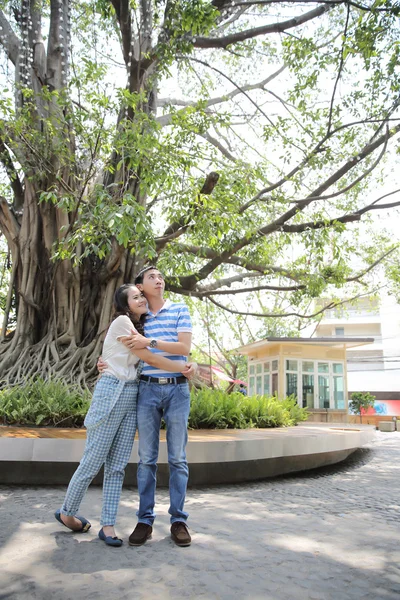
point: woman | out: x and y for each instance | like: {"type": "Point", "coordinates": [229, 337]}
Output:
{"type": "Point", "coordinates": [111, 419]}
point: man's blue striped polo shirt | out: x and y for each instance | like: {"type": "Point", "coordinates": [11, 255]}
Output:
{"type": "Point", "coordinates": [173, 318]}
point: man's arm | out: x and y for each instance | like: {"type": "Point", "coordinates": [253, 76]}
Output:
{"type": "Point", "coordinates": [188, 369]}
{"type": "Point", "coordinates": [136, 341]}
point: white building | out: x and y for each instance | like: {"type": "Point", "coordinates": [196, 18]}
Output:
{"type": "Point", "coordinates": [373, 368]}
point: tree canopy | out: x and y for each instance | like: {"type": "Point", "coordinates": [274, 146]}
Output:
{"type": "Point", "coordinates": [242, 146]}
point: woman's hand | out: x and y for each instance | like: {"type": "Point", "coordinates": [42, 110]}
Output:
{"type": "Point", "coordinates": [190, 370]}
{"type": "Point", "coordinates": [101, 365]}
{"type": "Point", "coordinates": [135, 341]}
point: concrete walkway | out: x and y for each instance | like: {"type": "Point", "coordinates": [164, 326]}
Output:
{"type": "Point", "coordinates": [332, 534]}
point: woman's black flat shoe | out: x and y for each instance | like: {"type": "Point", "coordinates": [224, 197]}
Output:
{"type": "Point", "coordinates": [85, 523]}
{"type": "Point", "coordinates": [110, 541]}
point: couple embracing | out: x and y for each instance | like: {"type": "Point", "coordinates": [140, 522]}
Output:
{"type": "Point", "coordinates": [129, 394]}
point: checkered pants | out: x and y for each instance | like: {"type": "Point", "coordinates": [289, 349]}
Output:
{"type": "Point", "coordinates": [111, 428]}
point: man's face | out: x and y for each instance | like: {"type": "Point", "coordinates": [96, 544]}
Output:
{"type": "Point", "coordinates": [153, 283]}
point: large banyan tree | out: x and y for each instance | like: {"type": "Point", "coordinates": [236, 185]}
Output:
{"type": "Point", "coordinates": [240, 145]}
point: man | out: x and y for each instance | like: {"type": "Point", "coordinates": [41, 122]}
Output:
{"type": "Point", "coordinates": [168, 330]}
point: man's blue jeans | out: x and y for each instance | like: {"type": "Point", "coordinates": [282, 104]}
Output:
{"type": "Point", "coordinates": [171, 402]}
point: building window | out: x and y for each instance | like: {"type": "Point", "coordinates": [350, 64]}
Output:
{"type": "Point", "coordinates": [308, 366]}
{"type": "Point", "coordinates": [291, 384]}
{"type": "Point", "coordinates": [316, 384]}
{"type": "Point", "coordinates": [267, 391]}
{"type": "Point", "coordinates": [274, 384]}
{"type": "Point", "coordinates": [308, 390]}
{"type": "Point", "coordinates": [339, 331]}
{"type": "Point", "coordinates": [338, 392]}
{"type": "Point", "coordinates": [291, 365]}
{"type": "Point", "coordinates": [260, 378]}
{"type": "Point", "coordinates": [251, 386]}
{"type": "Point", "coordinates": [291, 377]}
{"type": "Point", "coordinates": [323, 391]}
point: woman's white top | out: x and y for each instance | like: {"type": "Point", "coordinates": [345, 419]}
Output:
{"type": "Point", "coordinates": [120, 361]}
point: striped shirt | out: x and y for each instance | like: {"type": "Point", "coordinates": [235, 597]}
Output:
{"type": "Point", "coordinates": [171, 319]}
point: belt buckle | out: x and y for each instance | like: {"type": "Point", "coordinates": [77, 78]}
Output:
{"type": "Point", "coordinates": [163, 380]}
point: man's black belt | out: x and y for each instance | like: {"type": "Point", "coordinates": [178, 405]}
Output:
{"type": "Point", "coordinates": [164, 380]}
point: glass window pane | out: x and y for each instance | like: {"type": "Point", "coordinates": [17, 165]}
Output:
{"type": "Point", "coordinates": [323, 367]}
{"type": "Point", "coordinates": [291, 365]}
{"type": "Point", "coordinates": [323, 391]}
{"type": "Point", "coordinates": [338, 368]}
{"type": "Point", "coordinates": [339, 330]}
{"type": "Point", "coordinates": [308, 366]}
{"type": "Point", "coordinates": [251, 386]}
{"type": "Point", "coordinates": [308, 391]}
{"type": "Point", "coordinates": [259, 386]}
{"type": "Point", "coordinates": [251, 370]}
{"type": "Point", "coordinates": [274, 365]}
{"type": "Point", "coordinates": [338, 392]}
{"type": "Point", "coordinates": [266, 385]}
{"type": "Point", "coordinates": [266, 367]}
{"type": "Point", "coordinates": [274, 383]}
{"type": "Point", "coordinates": [291, 384]}
{"type": "Point", "coordinates": [259, 368]}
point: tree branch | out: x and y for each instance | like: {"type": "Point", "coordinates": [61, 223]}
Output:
{"type": "Point", "coordinates": [372, 266]}
{"type": "Point", "coordinates": [8, 39]}
{"type": "Point", "coordinates": [16, 185]}
{"type": "Point", "coordinates": [202, 252]}
{"type": "Point", "coordinates": [288, 314]}
{"type": "Point", "coordinates": [275, 288]}
{"type": "Point", "coordinates": [175, 229]}
{"type": "Point", "coordinates": [362, 7]}
{"type": "Point", "coordinates": [314, 151]}
{"type": "Point", "coordinates": [241, 36]}
{"type": "Point", "coordinates": [214, 142]}
{"type": "Point", "coordinates": [220, 99]}
{"type": "Point", "coordinates": [9, 225]}
{"type": "Point", "coordinates": [123, 13]}
{"type": "Point", "coordinates": [190, 281]}
{"type": "Point", "coordinates": [226, 282]}
{"type": "Point", "coordinates": [341, 65]}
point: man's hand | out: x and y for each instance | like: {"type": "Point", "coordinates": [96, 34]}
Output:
{"type": "Point", "coordinates": [190, 370]}
{"type": "Point", "coordinates": [101, 365]}
{"type": "Point", "coordinates": [135, 341]}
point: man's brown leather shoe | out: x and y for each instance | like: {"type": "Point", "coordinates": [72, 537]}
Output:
{"type": "Point", "coordinates": [140, 534]}
{"type": "Point", "coordinates": [180, 534]}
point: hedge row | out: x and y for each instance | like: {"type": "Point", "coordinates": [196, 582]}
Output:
{"type": "Point", "coordinates": [56, 404]}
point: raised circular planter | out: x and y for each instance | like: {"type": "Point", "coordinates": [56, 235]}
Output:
{"type": "Point", "coordinates": [50, 456]}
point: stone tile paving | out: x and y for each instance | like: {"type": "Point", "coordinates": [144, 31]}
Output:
{"type": "Point", "coordinates": [331, 534]}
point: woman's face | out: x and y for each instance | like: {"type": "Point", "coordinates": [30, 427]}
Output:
{"type": "Point", "coordinates": [136, 301]}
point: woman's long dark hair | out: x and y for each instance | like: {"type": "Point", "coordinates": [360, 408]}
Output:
{"type": "Point", "coordinates": [121, 307]}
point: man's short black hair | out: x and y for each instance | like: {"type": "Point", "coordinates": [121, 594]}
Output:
{"type": "Point", "coordinates": [140, 275]}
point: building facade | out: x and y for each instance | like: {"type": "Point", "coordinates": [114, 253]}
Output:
{"type": "Point", "coordinates": [311, 369]}
{"type": "Point", "coordinates": [375, 367]}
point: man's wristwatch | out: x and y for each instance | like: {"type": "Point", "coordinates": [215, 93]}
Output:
{"type": "Point", "coordinates": [153, 344]}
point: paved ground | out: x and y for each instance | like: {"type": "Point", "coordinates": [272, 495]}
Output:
{"type": "Point", "coordinates": [331, 534]}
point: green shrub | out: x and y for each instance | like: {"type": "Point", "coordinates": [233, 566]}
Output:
{"type": "Point", "coordinates": [215, 409]}
{"type": "Point", "coordinates": [48, 403]}
{"type": "Point", "coordinates": [56, 404]}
